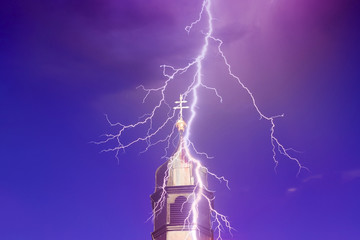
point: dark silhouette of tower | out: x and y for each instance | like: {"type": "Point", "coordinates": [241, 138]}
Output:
{"type": "Point", "coordinates": [175, 185]}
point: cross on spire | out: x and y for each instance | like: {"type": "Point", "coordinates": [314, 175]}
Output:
{"type": "Point", "coordinates": [180, 124]}
{"type": "Point", "coordinates": [180, 106]}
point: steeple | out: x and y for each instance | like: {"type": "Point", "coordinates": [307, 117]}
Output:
{"type": "Point", "coordinates": [181, 172]}
{"type": "Point", "coordinates": [175, 183]}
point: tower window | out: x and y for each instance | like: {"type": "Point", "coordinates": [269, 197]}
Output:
{"type": "Point", "coordinates": [179, 210]}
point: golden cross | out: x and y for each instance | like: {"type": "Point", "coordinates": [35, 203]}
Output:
{"type": "Point", "coordinates": [180, 106]}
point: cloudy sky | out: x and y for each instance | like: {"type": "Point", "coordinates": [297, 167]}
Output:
{"type": "Point", "coordinates": [64, 64]}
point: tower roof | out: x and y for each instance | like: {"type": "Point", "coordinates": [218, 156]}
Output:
{"type": "Point", "coordinates": [178, 170]}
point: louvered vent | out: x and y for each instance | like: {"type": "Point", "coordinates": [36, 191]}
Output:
{"type": "Point", "coordinates": [179, 210]}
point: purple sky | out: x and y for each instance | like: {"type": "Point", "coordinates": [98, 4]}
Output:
{"type": "Point", "coordinates": [66, 63]}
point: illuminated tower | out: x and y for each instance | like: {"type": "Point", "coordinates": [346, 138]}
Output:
{"type": "Point", "coordinates": [173, 219]}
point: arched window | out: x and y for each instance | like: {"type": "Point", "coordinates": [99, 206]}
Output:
{"type": "Point", "coordinates": [179, 210]}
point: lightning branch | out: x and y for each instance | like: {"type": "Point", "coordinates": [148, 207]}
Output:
{"type": "Point", "coordinates": [171, 74]}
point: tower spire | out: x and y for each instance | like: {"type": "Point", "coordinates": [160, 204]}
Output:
{"type": "Point", "coordinates": [181, 124]}
{"type": "Point", "coordinates": [179, 182]}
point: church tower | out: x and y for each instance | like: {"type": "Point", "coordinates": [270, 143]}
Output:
{"type": "Point", "coordinates": [176, 189]}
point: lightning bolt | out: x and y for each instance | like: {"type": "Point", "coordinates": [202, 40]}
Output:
{"type": "Point", "coordinates": [171, 73]}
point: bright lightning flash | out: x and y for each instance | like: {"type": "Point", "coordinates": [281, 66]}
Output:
{"type": "Point", "coordinates": [219, 221]}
